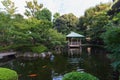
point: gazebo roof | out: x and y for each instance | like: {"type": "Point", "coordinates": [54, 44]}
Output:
{"type": "Point", "coordinates": [73, 34]}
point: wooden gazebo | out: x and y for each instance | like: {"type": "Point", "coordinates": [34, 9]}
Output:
{"type": "Point", "coordinates": [74, 39]}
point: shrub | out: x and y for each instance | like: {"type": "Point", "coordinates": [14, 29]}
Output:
{"type": "Point", "coordinates": [39, 49]}
{"type": "Point", "coordinates": [7, 74]}
{"type": "Point", "coordinates": [79, 76]}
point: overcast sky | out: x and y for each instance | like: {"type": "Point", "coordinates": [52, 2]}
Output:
{"type": "Point", "coordinates": [77, 7]}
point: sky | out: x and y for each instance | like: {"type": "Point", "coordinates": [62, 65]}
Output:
{"type": "Point", "coordinates": [77, 7]}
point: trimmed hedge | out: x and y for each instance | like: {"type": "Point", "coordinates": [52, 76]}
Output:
{"type": "Point", "coordinates": [79, 76]}
{"type": "Point", "coordinates": [8, 74]}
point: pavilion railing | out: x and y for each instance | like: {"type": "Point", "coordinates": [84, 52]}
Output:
{"type": "Point", "coordinates": [74, 43]}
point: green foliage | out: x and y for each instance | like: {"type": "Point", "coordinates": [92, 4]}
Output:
{"type": "Point", "coordinates": [116, 65]}
{"type": "Point", "coordinates": [29, 32]}
{"type": "Point", "coordinates": [21, 34]}
{"type": "Point", "coordinates": [6, 48]}
{"type": "Point", "coordinates": [111, 37]}
{"type": "Point", "coordinates": [9, 6]}
{"type": "Point", "coordinates": [79, 76]}
{"type": "Point", "coordinates": [93, 22]}
{"type": "Point", "coordinates": [55, 38]}
{"type": "Point", "coordinates": [7, 74]}
{"type": "Point", "coordinates": [115, 8]}
{"type": "Point", "coordinates": [55, 16]}
{"type": "Point", "coordinates": [4, 28]}
{"type": "Point", "coordinates": [116, 19]}
{"type": "Point", "coordinates": [112, 41]}
{"type": "Point", "coordinates": [39, 31]}
{"type": "Point", "coordinates": [39, 49]}
{"type": "Point", "coordinates": [66, 23]}
{"type": "Point", "coordinates": [44, 14]}
{"type": "Point", "coordinates": [32, 7]}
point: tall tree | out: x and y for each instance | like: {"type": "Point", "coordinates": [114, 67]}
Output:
{"type": "Point", "coordinates": [93, 22]}
{"type": "Point", "coordinates": [9, 6]}
{"type": "Point", "coordinates": [115, 7]}
{"type": "Point", "coordinates": [32, 7]}
{"type": "Point", "coordinates": [44, 14]}
{"type": "Point", "coordinates": [55, 16]}
{"type": "Point", "coordinates": [5, 26]}
{"type": "Point", "coordinates": [112, 41]}
{"type": "Point", "coordinates": [66, 23]}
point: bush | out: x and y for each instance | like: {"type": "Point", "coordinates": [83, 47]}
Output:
{"type": "Point", "coordinates": [79, 76]}
{"type": "Point", "coordinates": [7, 74]}
{"type": "Point", "coordinates": [39, 49]}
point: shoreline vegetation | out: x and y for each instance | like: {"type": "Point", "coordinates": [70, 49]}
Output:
{"type": "Point", "coordinates": [38, 32]}
{"type": "Point", "coordinates": [34, 55]}
{"type": "Point", "coordinates": [41, 54]}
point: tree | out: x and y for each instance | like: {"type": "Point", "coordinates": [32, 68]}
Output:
{"type": "Point", "coordinates": [93, 22]}
{"type": "Point", "coordinates": [82, 25]}
{"type": "Point", "coordinates": [66, 23]}
{"type": "Point", "coordinates": [55, 16]}
{"type": "Point", "coordinates": [55, 39]}
{"type": "Point", "coordinates": [44, 14]}
{"type": "Point", "coordinates": [112, 41]}
{"type": "Point", "coordinates": [5, 25]}
{"type": "Point", "coordinates": [9, 6]}
{"type": "Point", "coordinates": [115, 8]}
{"type": "Point", "coordinates": [111, 37]}
{"type": "Point", "coordinates": [39, 29]}
{"type": "Point", "coordinates": [17, 33]}
{"type": "Point", "coordinates": [32, 7]}
{"type": "Point", "coordinates": [28, 34]}
{"type": "Point", "coordinates": [18, 17]}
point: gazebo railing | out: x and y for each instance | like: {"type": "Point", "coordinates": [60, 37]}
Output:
{"type": "Point", "coordinates": [74, 43]}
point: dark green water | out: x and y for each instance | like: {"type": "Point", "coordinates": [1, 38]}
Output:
{"type": "Point", "coordinates": [94, 62]}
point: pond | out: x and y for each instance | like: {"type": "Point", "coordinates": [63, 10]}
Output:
{"type": "Point", "coordinates": [91, 60]}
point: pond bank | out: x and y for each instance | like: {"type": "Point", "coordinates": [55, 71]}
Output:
{"type": "Point", "coordinates": [7, 54]}
{"type": "Point", "coordinates": [32, 55]}
{"type": "Point", "coordinates": [26, 54]}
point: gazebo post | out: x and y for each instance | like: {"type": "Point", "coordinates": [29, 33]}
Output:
{"type": "Point", "coordinates": [77, 41]}
{"type": "Point", "coordinates": [69, 41]}
{"type": "Point", "coordinates": [80, 42]}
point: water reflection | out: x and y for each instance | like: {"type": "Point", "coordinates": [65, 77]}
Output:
{"type": "Point", "coordinates": [74, 51]}
{"type": "Point", "coordinates": [89, 50]}
{"type": "Point", "coordinates": [56, 76]}
{"type": "Point", "coordinates": [56, 66]}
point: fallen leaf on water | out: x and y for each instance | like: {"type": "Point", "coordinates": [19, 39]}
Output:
{"type": "Point", "coordinates": [32, 75]}
{"type": "Point", "coordinates": [44, 66]}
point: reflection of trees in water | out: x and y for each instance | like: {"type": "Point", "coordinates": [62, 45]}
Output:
{"type": "Point", "coordinates": [74, 51]}
{"type": "Point", "coordinates": [7, 62]}
{"type": "Point", "coordinates": [39, 67]}
{"type": "Point", "coordinates": [96, 63]}
{"type": "Point", "coordinates": [93, 60]}
{"type": "Point", "coordinates": [59, 64]}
